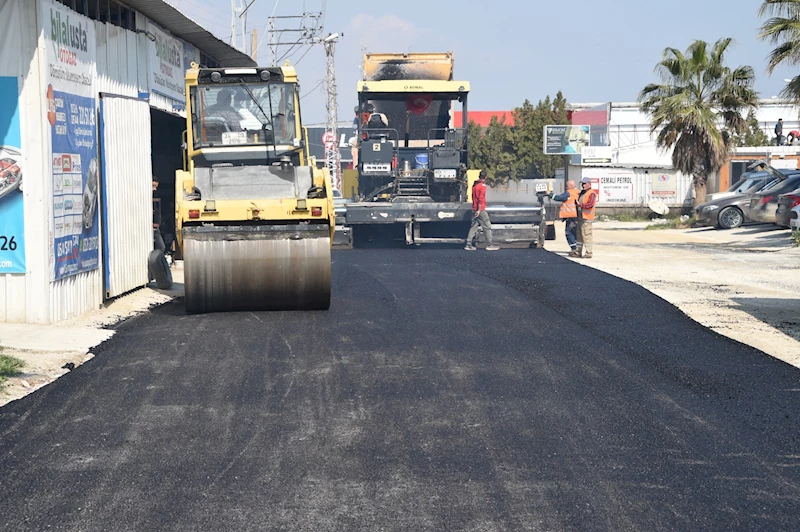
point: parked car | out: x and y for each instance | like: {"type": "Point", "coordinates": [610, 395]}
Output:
{"type": "Point", "coordinates": [749, 181]}
{"type": "Point", "coordinates": [786, 208]}
{"type": "Point", "coordinates": [794, 219]}
{"type": "Point", "coordinates": [10, 172]}
{"type": "Point", "coordinates": [764, 203]}
{"type": "Point", "coordinates": [731, 211]}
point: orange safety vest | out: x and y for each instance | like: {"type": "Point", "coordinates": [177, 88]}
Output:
{"type": "Point", "coordinates": [569, 208]}
{"type": "Point", "coordinates": [588, 214]}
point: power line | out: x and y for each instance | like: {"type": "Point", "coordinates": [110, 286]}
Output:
{"type": "Point", "coordinates": [302, 56]}
{"type": "Point", "coordinates": [314, 89]}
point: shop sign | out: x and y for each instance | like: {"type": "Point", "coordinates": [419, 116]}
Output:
{"type": "Point", "coordinates": [12, 230]}
{"type": "Point", "coordinates": [69, 63]}
{"type": "Point", "coordinates": [166, 64]}
{"type": "Point", "coordinates": [663, 185]}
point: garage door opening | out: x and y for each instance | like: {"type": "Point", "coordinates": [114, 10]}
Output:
{"type": "Point", "coordinates": [167, 138]}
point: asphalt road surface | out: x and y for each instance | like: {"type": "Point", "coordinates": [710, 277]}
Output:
{"type": "Point", "coordinates": [444, 390]}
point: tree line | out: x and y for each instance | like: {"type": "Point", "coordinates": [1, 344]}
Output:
{"type": "Point", "coordinates": [510, 153]}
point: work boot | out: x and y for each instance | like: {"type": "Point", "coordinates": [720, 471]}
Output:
{"type": "Point", "coordinates": [587, 255]}
{"type": "Point", "coordinates": [574, 253]}
{"type": "Point", "coordinates": [492, 247]}
{"type": "Point", "coordinates": [470, 247]}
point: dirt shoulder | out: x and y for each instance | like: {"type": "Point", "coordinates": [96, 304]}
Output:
{"type": "Point", "coordinates": [50, 351]}
{"type": "Point", "coordinates": [743, 283]}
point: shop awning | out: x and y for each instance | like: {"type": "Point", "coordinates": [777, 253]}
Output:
{"type": "Point", "coordinates": [185, 28]}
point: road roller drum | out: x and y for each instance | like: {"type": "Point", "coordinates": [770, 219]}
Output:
{"type": "Point", "coordinates": [257, 268]}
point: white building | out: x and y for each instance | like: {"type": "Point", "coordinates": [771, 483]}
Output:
{"type": "Point", "coordinates": [91, 106]}
{"type": "Point", "coordinates": [639, 172]}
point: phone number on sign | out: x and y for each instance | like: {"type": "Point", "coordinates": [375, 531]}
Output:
{"type": "Point", "coordinates": [7, 243]}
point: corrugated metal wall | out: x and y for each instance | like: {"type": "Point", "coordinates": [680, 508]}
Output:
{"type": "Point", "coordinates": [75, 295]}
{"type": "Point", "coordinates": [118, 61]}
{"type": "Point", "coordinates": [127, 192]}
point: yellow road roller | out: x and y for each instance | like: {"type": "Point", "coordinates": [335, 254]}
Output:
{"type": "Point", "coordinates": [254, 216]}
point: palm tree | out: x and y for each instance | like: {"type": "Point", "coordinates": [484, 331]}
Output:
{"type": "Point", "coordinates": [783, 30]}
{"type": "Point", "coordinates": [699, 93]}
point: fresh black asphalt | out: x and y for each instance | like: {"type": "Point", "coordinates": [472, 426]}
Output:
{"type": "Point", "coordinates": [443, 390]}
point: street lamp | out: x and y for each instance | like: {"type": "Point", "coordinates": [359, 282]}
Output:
{"type": "Point", "coordinates": [147, 34]}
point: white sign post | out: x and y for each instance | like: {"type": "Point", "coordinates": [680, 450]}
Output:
{"type": "Point", "coordinates": [595, 155]}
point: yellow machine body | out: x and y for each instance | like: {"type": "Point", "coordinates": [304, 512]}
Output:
{"type": "Point", "coordinates": [254, 216]}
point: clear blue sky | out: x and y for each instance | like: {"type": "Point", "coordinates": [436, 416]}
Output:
{"type": "Point", "coordinates": [511, 50]}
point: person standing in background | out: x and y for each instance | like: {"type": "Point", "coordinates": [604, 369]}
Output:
{"type": "Point", "coordinates": [480, 218]}
{"type": "Point", "coordinates": [569, 214]}
{"type": "Point", "coordinates": [587, 199]}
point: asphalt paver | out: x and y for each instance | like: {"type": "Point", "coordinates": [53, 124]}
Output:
{"type": "Point", "coordinates": [443, 390]}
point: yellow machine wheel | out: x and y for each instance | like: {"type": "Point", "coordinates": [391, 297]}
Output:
{"type": "Point", "coordinates": [259, 267]}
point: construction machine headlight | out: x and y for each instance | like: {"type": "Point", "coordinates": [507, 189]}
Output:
{"type": "Point", "coordinates": [444, 174]}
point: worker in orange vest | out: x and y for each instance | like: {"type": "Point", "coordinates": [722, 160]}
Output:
{"type": "Point", "coordinates": [587, 199]}
{"type": "Point", "coordinates": [569, 214]}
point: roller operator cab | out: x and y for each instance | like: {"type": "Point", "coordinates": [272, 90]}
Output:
{"type": "Point", "coordinates": [414, 178]}
{"type": "Point", "coordinates": [255, 217]}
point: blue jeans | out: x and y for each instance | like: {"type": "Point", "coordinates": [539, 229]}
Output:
{"type": "Point", "coordinates": [571, 230]}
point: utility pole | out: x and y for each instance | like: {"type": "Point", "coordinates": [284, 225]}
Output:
{"type": "Point", "coordinates": [333, 156]}
{"type": "Point", "coordinates": [234, 7]}
{"type": "Point", "coordinates": [292, 32]}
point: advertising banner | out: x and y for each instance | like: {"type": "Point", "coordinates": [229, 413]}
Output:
{"type": "Point", "coordinates": [664, 186]}
{"type": "Point", "coordinates": [167, 74]}
{"type": "Point", "coordinates": [12, 229]}
{"type": "Point", "coordinates": [616, 186]}
{"type": "Point", "coordinates": [69, 43]}
{"type": "Point", "coordinates": [565, 140]}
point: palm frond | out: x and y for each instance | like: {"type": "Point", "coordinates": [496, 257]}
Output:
{"type": "Point", "coordinates": [778, 29]}
{"type": "Point", "coordinates": [792, 90]}
{"type": "Point", "coordinates": [778, 7]}
{"type": "Point", "coordinates": [788, 53]}
{"type": "Point", "coordinates": [697, 93]}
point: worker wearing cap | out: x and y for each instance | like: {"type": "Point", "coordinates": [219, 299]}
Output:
{"type": "Point", "coordinates": [587, 199]}
{"type": "Point", "coordinates": [480, 218]}
{"type": "Point", "coordinates": [569, 214]}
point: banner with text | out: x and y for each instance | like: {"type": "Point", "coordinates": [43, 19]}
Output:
{"type": "Point", "coordinates": [167, 74]}
{"type": "Point", "coordinates": [12, 230]}
{"type": "Point", "coordinates": [664, 186]}
{"type": "Point", "coordinates": [565, 140]}
{"type": "Point", "coordinates": [612, 185]}
{"type": "Point", "coordinates": [69, 42]}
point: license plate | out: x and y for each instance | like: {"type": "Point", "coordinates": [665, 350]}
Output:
{"type": "Point", "coordinates": [444, 174]}
{"type": "Point", "coordinates": [234, 137]}
{"type": "Point", "coordinates": [375, 168]}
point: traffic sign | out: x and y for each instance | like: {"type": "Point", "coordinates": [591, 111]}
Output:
{"type": "Point", "coordinates": [329, 140]}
